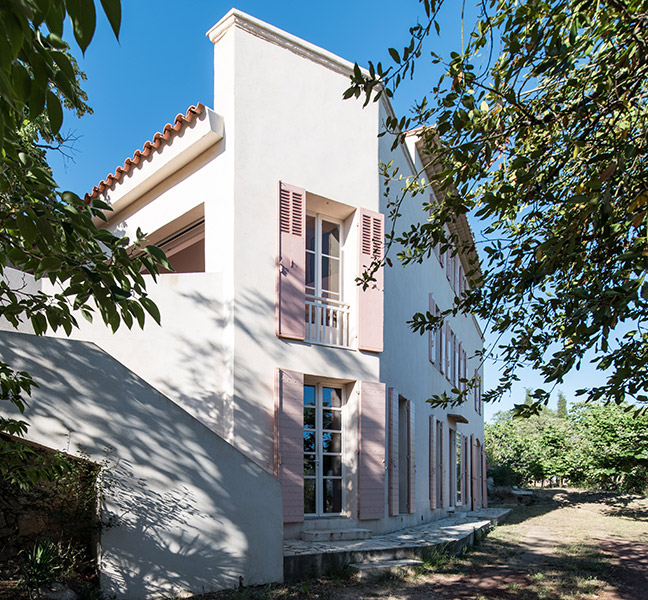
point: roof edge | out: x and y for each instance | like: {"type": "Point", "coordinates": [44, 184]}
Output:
{"type": "Point", "coordinates": [160, 139]}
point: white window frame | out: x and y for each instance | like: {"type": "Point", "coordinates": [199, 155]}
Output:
{"type": "Point", "coordinates": [318, 255]}
{"type": "Point", "coordinates": [319, 454]}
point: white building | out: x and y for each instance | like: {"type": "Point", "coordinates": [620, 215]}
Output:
{"type": "Point", "coordinates": [299, 398]}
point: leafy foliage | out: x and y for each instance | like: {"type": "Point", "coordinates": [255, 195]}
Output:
{"type": "Point", "coordinates": [603, 446]}
{"type": "Point", "coordinates": [79, 268]}
{"type": "Point", "coordinates": [539, 126]}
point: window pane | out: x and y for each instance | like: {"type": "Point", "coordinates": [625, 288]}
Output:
{"type": "Point", "coordinates": [309, 417]}
{"type": "Point", "coordinates": [330, 238]}
{"type": "Point", "coordinates": [309, 395]}
{"type": "Point", "coordinates": [332, 496]}
{"type": "Point", "coordinates": [309, 464]}
{"type": "Point", "coordinates": [330, 276]}
{"type": "Point", "coordinates": [309, 441]}
{"type": "Point", "coordinates": [331, 397]}
{"type": "Point", "coordinates": [331, 442]}
{"type": "Point", "coordinates": [331, 419]}
{"type": "Point", "coordinates": [332, 466]}
{"type": "Point", "coordinates": [309, 496]}
{"type": "Point", "coordinates": [310, 233]}
{"type": "Point", "coordinates": [310, 272]}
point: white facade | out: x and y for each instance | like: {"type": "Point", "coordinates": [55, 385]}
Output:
{"type": "Point", "coordinates": [376, 455]}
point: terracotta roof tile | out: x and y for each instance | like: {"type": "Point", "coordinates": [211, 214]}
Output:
{"type": "Point", "coordinates": [159, 140]}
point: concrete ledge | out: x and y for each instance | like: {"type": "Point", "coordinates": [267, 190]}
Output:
{"type": "Point", "coordinates": [304, 560]}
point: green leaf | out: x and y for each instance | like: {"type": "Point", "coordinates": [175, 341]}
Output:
{"type": "Point", "coordinates": [394, 54]}
{"type": "Point", "coordinates": [112, 8]}
{"type": "Point", "coordinates": [150, 308]}
{"type": "Point", "coordinates": [159, 256]}
{"type": "Point", "coordinates": [84, 20]}
{"type": "Point", "coordinates": [54, 112]}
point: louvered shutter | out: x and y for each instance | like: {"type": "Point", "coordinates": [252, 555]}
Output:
{"type": "Point", "coordinates": [448, 351]}
{"type": "Point", "coordinates": [411, 458]}
{"type": "Point", "coordinates": [370, 301]}
{"type": "Point", "coordinates": [289, 442]}
{"type": "Point", "coordinates": [460, 364]}
{"type": "Point", "coordinates": [441, 351]}
{"type": "Point", "coordinates": [371, 442]}
{"type": "Point", "coordinates": [432, 334]}
{"type": "Point", "coordinates": [484, 479]}
{"type": "Point", "coordinates": [291, 274]}
{"type": "Point", "coordinates": [432, 464]}
{"type": "Point", "coordinates": [474, 470]}
{"type": "Point", "coordinates": [466, 471]}
{"type": "Point", "coordinates": [392, 464]}
{"type": "Point", "coordinates": [444, 465]}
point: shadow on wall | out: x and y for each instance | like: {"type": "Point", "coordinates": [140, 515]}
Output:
{"type": "Point", "coordinates": [257, 353]}
{"type": "Point", "coordinates": [181, 505]}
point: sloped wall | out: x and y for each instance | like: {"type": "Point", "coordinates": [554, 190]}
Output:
{"type": "Point", "coordinates": [186, 511]}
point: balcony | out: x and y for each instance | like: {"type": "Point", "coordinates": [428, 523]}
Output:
{"type": "Point", "coordinates": [327, 322]}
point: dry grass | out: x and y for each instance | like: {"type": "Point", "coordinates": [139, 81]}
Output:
{"type": "Point", "coordinates": [568, 545]}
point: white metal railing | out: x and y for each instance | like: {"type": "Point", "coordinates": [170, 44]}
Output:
{"type": "Point", "coordinates": [327, 322]}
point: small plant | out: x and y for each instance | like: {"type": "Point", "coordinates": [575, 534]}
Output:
{"type": "Point", "coordinates": [42, 563]}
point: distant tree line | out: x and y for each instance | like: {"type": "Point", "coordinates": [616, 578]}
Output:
{"type": "Point", "coordinates": [592, 445]}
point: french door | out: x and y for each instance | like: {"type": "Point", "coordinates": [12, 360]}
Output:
{"type": "Point", "coordinates": [322, 450]}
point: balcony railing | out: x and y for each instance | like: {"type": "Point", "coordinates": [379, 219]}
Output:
{"type": "Point", "coordinates": [327, 322]}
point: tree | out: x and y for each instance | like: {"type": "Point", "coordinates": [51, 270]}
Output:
{"type": "Point", "coordinates": [562, 406]}
{"type": "Point", "coordinates": [597, 445]}
{"type": "Point", "coordinates": [540, 126]}
{"type": "Point", "coordinates": [611, 447]}
{"type": "Point", "coordinates": [46, 232]}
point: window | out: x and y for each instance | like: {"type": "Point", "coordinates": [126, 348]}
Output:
{"type": "Point", "coordinates": [309, 302]}
{"type": "Point", "coordinates": [323, 258]}
{"type": "Point", "coordinates": [327, 317]}
{"type": "Point", "coordinates": [322, 450]}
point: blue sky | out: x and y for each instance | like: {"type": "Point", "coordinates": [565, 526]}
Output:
{"type": "Point", "coordinates": [162, 64]}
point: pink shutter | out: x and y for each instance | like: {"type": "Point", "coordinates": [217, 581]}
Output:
{"type": "Point", "coordinates": [476, 393]}
{"type": "Point", "coordinates": [484, 479]}
{"type": "Point", "coordinates": [464, 368]}
{"type": "Point", "coordinates": [291, 263]}
{"type": "Point", "coordinates": [453, 349]}
{"type": "Point", "coordinates": [442, 350]}
{"type": "Point", "coordinates": [444, 465]}
{"type": "Point", "coordinates": [432, 465]}
{"type": "Point", "coordinates": [474, 472]}
{"type": "Point", "coordinates": [462, 473]}
{"type": "Point", "coordinates": [466, 471]}
{"type": "Point", "coordinates": [432, 335]}
{"type": "Point", "coordinates": [289, 442]}
{"type": "Point", "coordinates": [371, 443]}
{"type": "Point", "coordinates": [392, 465]}
{"type": "Point", "coordinates": [448, 350]}
{"type": "Point", "coordinates": [460, 353]}
{"type": "Point", "coordinates": [370, 301]}
{"type": "Point", "coordinates": [411, 458]}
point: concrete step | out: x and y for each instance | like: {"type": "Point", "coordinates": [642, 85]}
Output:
{"type": "Point", "coordinates": [335, 535]}
{"type": "Point", "coordinates": [375, 570]}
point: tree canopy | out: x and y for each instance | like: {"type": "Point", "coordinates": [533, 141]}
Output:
{"type": "Point", "coordinates": [593, 445]}
{"type": "Point", "coordinates": [539, 124]}
{"type": "Point", "coordinates": [50, 233]}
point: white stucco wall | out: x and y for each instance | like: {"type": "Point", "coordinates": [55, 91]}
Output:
{"type": "Point", "coordinates": [185, 358]}
{"type": "Point", "coordinates": [286, 121]}
{"type": "Point", "coordinates": [405, 364]}
{"type": "Point", "coordinates": [184, 506]}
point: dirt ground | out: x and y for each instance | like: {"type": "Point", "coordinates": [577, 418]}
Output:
{"type": "Point", "coordinates": [567, 545]}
